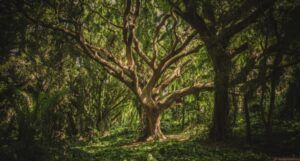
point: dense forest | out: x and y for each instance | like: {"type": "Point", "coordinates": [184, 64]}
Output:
{"type": "Point", "coordinates": [134, 80]}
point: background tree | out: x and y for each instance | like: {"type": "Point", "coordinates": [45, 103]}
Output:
{"type": "Point", "coordinates": [220, 25]}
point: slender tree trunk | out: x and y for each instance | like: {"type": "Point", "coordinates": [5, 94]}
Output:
{"type": "Point", "coordinates": [271, 109]}
{"type": "Point", "coordinates": [221, 101]}
{"type": "Point", "coordinates": [262, 108]}
{"type": "Point", "coordinates": [235, 109]}
{"type": "Point", "coordinates": [247, 118]}
{"type": "Point", "coordinates": [274, 81]}
{"type": "Point", "coordinates": [151, 125]}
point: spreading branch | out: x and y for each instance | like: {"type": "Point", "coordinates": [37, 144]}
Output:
{"type": "Point", "coordinates": [228, 32]}
{"type": "Point", "coordinates": [168, 100]}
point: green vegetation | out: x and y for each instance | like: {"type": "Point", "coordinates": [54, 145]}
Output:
{"type": "Point", "coordinates": [149, 80]}
{"type": "Point", "coordinates": [121, 146]}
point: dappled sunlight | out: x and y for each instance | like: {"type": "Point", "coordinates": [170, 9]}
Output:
{"type": "Point", "coordinates": [176, 147]}
{"type": "Point", "coordinates": [149, 80]}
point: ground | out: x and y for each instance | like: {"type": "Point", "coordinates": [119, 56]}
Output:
{"type": "Point", "coordinates": [121, 145]}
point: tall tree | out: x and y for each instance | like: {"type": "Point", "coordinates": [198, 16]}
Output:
{"type": "Point", "coordinates": [218, 22]}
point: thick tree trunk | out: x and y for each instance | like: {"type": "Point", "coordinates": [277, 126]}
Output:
{"type": "Point", "coordinates": [139, 109]}
{"type": "Point", "coordinates": [221, 101]}
{"type": "Point", "coordinates": [151, 125]}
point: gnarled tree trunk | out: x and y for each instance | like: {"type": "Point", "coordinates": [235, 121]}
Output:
{"type": "Point", "coordinates": [151, 125]}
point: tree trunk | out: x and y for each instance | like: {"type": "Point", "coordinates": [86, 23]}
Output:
{"type": "Point", "coordinates": [151, 125]}
{"type": "Point", "coordinates": [247, 118]}
{"type": "Point", "coordinates": [140, 113]}
{"type": "Point", "coordinates": [262, 107]}
{"type": "Point", "coordinates": [235, 109]}
{"type": "Point", "coordinates": [221, 101]}
{"type": "Point", "coordinates": [274, 82]}
{"type": "Point", "coordinates": [270, 111]}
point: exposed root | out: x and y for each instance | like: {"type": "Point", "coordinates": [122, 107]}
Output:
{"type": "Point", "coordinates": [147, 138]}
{"type": "Point", "coordinates": [140, 141]}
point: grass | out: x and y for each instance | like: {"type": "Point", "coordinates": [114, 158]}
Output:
{"type": "Point", "coordinates": [121, 147]}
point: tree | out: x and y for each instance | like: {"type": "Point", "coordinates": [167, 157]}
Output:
{"type": "Point", "coordinates": [146, 70]}
{"type": "Point", "coordinates": [218, 23]}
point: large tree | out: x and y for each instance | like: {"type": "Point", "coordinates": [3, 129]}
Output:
{"type": "Point", "coordinates": [218, 23]}
{"type": "Point", "coordinates": [148, 69]}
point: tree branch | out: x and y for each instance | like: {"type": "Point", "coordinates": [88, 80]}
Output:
{"type": "Point", "coordinates": [140, 52]}
{"type": "Point", "coordinates": [176, 73]}
{"type": "Point", "coordinates": [227, 33]}
{"type": "Point", "coordinates": [162, 22]}
{"type": "Point", "coordinates": [239, 12]}
{"type": "Point", "coordinates": [104, 18]}
{"type": "Point", "coordinates": [238, 50]}
{"type": "Point", "coordinates": [168, 100]}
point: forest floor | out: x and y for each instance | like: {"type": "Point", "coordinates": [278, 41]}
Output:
{"type": "Point", "coordinates": [121, 146]}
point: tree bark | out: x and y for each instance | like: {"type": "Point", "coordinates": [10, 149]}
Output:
{"type": "Point", "coordinates": [247, 118]}
{"type": "Point", "coordinates": [221, 101]}
{"type": "Point", "coordinates": [151, 125]}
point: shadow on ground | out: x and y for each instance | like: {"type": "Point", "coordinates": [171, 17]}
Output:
{"type": "Point", "coordinates": [121, 147]}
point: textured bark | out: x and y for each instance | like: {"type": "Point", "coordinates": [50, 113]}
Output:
{"type": "Point", "coordinates": [151, 125]}
{"type": "Point", "coordinates": [221, 102]}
